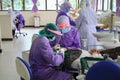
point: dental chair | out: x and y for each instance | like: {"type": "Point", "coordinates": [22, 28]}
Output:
{"type": "Point", "coordinates": [70, 57]}
{"type": "Point", "coordinates": [23, 69]}
{"type": "Point", "coordinates": [86, 64]}
{"type": "Point", "coordinates": [104, 70]}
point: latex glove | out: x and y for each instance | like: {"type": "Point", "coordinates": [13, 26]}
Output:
{"type": "Point", "coordinates": [62, 50]}
{"type": "Point", "coordinates": [56, 47]}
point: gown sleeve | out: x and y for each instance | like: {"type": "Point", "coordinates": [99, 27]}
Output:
{"type": "Point", "coordinates": [49, 56]}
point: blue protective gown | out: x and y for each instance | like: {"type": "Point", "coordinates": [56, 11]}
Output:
{"type": "Point", "coordinates": [69, 40]}
{"type": "Point", "coordinates": [86, 24]}
{"type": "Point", "coordinates": [42, 58]}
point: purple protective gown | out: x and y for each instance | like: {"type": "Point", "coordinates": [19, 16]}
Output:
{"type": "Point", "coordinates": [42, 59]}
{"type": "Point", "coordinates": [21, 21]}
{"type": "Point", "coordinates": [69, 40]}
{"type": "Point", "coordinates": [63, 13]}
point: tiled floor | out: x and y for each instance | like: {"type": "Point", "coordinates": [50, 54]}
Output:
{"type": "Point", "coordinates": [12, 49]}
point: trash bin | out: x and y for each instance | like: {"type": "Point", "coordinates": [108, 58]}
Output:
{"type": "Point", "coordinates": [36, 21]}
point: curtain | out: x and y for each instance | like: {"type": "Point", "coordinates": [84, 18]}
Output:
{"type": "Point", "coordinates": [117, 7]}
{"type": "Point", "coordinates": [35, 9]}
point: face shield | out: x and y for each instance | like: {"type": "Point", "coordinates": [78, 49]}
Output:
{"type": "Point", "coordinates": [50, 31]}
{"type": "Point", "coordinates": [64, 27]}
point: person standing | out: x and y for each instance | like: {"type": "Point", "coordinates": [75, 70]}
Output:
{"type": "Point", "coordinates": [20, 20]}
{"type": "Point", "coordinates": [11, 13]}
{"type": "Point", "coordinates": [86, 24]}
{"type": "Point", "coordinates": [64, 10]}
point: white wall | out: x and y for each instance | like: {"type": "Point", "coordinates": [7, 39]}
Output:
{"type": "Point", "coordinates": [45, 16]}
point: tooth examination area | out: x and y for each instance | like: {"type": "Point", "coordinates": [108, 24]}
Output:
{"type": "Point", "coordinates": [59, 39]}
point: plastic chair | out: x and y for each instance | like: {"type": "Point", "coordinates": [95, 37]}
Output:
{"type": "Point", "coordinates": [25, 54]}
{"type": "Point", "coordinates": [104, 70]}
{"type": "Point", "coordinates": [23, 69]}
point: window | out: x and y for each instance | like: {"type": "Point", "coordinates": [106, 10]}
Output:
{"type": "Point", "coordinates": [0, 6]}
{"type": "Point", "coordinates": [18, 5]}
{"type": "Point", "coordinates": [109, 3]}
{"type": "Point", "coordinates": [73, 3]}
{"type": "Point", "coordinates": [6, 4]}
{"type": "Point", "coordinates": [51, 5]}
{"type": "Point", "coordinates": [114, 5]}
{"type": "Point", "coordinates": [99, 5]}
{"type": "Point", "coordinates": [41, 4]}
{"type": "Point", "coordinates": [104, 5]}
{"type": "Point", "coordinates": [28, 4]}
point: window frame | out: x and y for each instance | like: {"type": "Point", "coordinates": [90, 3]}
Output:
{"type": "Point", "coordinates": [111, 5]}
{"type": "Point", "coordinates": [12, 2]}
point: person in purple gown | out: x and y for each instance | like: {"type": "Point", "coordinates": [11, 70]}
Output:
{"type": "Point", "coordinates": [20, 20]}
{"type": "Point", "coordinates": [42, 57]}
{"type": "Point", "coordinates": [64, 10]}
{"type": "Point", "coordinates": [70, 38]}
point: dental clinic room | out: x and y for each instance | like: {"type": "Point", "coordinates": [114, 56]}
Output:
{"type": "Point", "coordinates": [59, 39]}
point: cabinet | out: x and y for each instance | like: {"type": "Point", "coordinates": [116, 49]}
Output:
{"type": "Point", "coordinates": [6, 27]}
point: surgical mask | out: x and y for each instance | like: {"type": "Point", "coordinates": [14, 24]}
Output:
{"type": "Point", "coordinates": [51, 38]}
{"type": "Point", "coordinates": [68, 10]}
{"type": "Point", "coordinates": [65, 30]}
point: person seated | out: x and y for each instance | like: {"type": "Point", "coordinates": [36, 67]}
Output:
{"type": "Point", "coordinates": [42, 57]}
{"type": "Point", "coordinates": [64, 10]}
{"type": "Point", "coordinates": [20, 21]}
{"type": "Point", "coordinates": [70, 38]}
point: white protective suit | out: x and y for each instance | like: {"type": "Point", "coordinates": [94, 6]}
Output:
{"type": "Point", "coordinates": [86, 24]}
{"type": "Point", "coordinates": [11, 13]}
